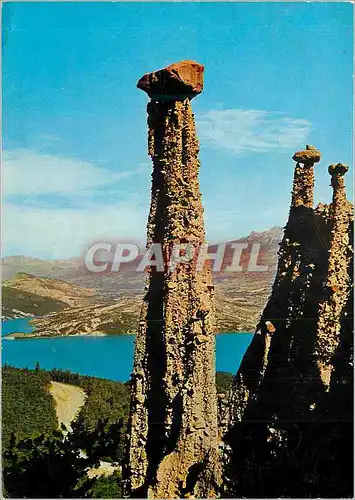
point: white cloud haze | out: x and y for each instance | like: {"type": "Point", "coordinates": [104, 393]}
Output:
{"type": "Point", "coordinates": [238, 131]}
{"type": "Point", "coordinates": [26, 172]}
{"type": "Point", "coordinates": [63, 232]}
{"type": "Point", "coordinates": [33, 225]}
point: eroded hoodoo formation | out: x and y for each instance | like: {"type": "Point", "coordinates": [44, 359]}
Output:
{"type": "Point", "coordinates": [173, 437]}
{"type": "Point", "coordinates": [290, 410]}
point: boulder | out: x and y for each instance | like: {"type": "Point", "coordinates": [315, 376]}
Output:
{"type": "Point", "coordinates": [309, 155]}
{"type": "Point", "coordinates": [175, 82]}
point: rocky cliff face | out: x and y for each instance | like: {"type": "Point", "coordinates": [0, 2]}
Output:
{"type": "Point", "coordinates": [173, 438]}
{"type": "Point", "coordinates": [290, 412]}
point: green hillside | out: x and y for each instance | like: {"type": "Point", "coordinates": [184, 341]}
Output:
{"type": "Point", "coordinates": [27, 407]}
{"type": "Point", "coordinates": [100, 426]}
{"type": "Point", "coordinates": [27, 302]}
{"type": "Point", "coordinates": [33, 448]}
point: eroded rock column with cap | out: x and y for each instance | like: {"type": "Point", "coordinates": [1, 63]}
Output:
{"type": "Point", "coordinates": [290, 406]}
{"type": "Point", "coordinates": [301, 211]}
{"type": "Point", "coordinates": [289, 289]}
{"type": "Point", "coordinates": [338, 282]}
{"type": "Point", "coordinates": [303, 181]}
{"type": "Point", "coordinates": [173, 437]}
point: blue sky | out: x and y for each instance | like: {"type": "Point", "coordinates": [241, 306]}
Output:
{"type": "Point", "coordinates": [75, 167]}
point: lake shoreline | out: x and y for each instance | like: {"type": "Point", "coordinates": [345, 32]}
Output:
{"type": "Point", "coordinates": [33, 335]}
{"type": "Point", "coordinates": [109, 356]}
{"type": "Point", "coordinates": [29, 336]}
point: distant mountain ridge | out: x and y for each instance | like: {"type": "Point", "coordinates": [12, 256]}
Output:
{"type": "Point", "coordinates": [240, 296]}
{"type": "Point", "coordinates": [15, 264]}
{"type": "Point", "coordinates": [73, 269]}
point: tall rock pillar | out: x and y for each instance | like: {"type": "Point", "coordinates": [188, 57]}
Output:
{"type": "Point", "coordinates": [300, 248]}
{"type": "Point", "coordinates": [339, 280]}
{"type": "Point", "coordinates": [303, 181]}
{"type": "Point", "coordinates": [290, 422]}
{"type": "Point", "coordinates": [172, 447]}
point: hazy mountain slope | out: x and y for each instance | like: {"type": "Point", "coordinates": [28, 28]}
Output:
{"type": "Point", "coordinates": [240, 296]}
{"type": "Point", "coordinates": [50, 288]}
{"type": "Point", "coordinates": [25, 294]}
{"type": "Point", "coordinates": [51, 268]}
{"type": "Point", "coordinates": [18, 304]}
{"type": "Point", "coordinates": [117, 317]}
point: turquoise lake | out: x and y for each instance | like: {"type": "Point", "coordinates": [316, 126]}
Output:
{"type": "Point", "coordinates": [108, 357]}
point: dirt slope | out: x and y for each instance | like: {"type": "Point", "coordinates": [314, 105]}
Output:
{"type": "Point", "coordinates": [68, 401]}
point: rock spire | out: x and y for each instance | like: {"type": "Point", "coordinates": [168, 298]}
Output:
{"type": "Point", "coordinates": [290, 413]}
{"type": "Point", "coordinates": [172, 447]}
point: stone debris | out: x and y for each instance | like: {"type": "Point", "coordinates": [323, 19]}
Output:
{"type": "Point", "coordinates": [172, 449]}
{"type": "Point", "coordinates": [270, 327]}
